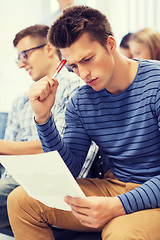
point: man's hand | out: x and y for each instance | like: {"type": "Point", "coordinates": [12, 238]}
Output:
{"type": "Point", "coordinates": [95, 212]}
{"type": "Point", "coordinates": [42, 97]}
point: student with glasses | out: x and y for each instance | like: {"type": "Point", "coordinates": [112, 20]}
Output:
{"type": "Point", "coordinates": [39, 58]}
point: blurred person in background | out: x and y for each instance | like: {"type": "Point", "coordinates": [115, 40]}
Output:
{"type": "Point", "coordinates": [62, 5]}
{"type": "Point", "coordinates": [124, 45]}
{"type": "Point", "coordinates": [145, 44]}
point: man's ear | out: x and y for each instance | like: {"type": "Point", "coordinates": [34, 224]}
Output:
{"type": "Point", "coordinates": [50, 49]}
{"type": "Point", "coordinates": [111, 44]}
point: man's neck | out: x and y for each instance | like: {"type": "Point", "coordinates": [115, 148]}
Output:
{"type": "Point", "coordinates": [124, 74]}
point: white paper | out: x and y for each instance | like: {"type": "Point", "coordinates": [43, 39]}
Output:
{"type": "Point", "coordinates": [44, 176]}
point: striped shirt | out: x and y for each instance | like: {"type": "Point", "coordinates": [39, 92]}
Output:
{"type": "Point", "coordinates": [126, 128]}
{"type": "Point", "coordinates": [21, 125]}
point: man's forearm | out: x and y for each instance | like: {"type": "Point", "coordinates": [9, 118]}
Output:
{"type": "Point", "coordinates": [144, 197]}
{"type": "Point", "coordinates": [20, 148]}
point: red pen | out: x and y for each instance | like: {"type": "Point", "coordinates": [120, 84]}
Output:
{"type": "Point", "coordinates": [62, 63]}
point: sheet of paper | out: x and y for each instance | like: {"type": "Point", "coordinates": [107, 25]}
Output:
{"type": "Point", "coordinates": [44, 176]}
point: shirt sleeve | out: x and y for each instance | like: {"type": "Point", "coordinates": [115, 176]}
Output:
{"type": "Point", "coordinates": [13, 123]}
{"type": "Point", "coordinates": [20, 123]}
{"type": "Point", "coordinates": [73, 147]}
{"type": "Point", "coordinates": [146, 196]}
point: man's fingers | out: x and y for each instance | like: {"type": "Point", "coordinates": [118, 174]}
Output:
{"type": "Point", "coordinates": [78, 205]}
{"type": "Point", "coordinates": [79, 202]}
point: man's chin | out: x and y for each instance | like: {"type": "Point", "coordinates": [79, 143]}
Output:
{"type": "Point", "coordinates": [35, 79]}
{"type": "Point", "coordinates": [97, 88]}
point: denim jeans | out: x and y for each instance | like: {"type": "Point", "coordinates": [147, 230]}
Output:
{"type": "Point", "coordinates": [6, 186]}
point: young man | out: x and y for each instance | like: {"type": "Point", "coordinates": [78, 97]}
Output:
{"type": "Point", "coordinates": [119, 110]}
{"type": "Point", "coordinates": [39, 58]}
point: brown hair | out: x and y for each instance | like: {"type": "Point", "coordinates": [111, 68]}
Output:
{"type": "Point", "coordinates": [74, 22]}
{"type": "Point", "coordinates": [38, 31]}
{"type": "Point", "coordinates": [151, 38]}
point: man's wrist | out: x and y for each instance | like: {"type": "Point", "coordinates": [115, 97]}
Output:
{"type": "Point", "coordinates": [42, 120]}
{"type": "Point", "coordinates": [118, 207]}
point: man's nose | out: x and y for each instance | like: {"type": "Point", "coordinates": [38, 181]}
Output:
{"type": "Point", "coordinates": [21, 64]}
{"type": "Point", "coordinates": [84, 72]}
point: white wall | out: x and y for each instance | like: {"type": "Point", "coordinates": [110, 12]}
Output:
{"type": "Point", "coordinates": [130, 15]}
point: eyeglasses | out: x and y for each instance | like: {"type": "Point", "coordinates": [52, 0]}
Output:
{"type": "Point", "coordinates": [23, 55]}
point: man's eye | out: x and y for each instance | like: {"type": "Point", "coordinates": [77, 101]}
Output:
{"type": "Point", "coordinates": [88, 59]}
{"type": "Point", "coordinates": [23, 55]}
{"type": "Point", "coordinates": [74, 66]}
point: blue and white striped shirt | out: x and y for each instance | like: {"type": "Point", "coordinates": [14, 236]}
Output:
{"type": "Point", "coordinates": [126, 128]}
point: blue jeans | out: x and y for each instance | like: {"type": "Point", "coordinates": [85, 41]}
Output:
{"type": "Point", "coordinates": [6, 186]}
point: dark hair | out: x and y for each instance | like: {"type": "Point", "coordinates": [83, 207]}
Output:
{"type": "Point", "coordinates": [74, 22]}
{"type": "Point", "coordinates": [125, 40]}
{"type": "Point", "coordinates": [38, 31]}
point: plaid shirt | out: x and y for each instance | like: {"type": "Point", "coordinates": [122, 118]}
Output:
{"type": "Point", "coordinates": [21, 125]}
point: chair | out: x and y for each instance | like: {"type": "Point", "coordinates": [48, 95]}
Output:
{"type": "Point", "coordinates": [61, 234]}
{"type": "Point", "coordinates": [7, 231]}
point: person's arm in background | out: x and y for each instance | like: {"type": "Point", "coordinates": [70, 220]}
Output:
{"type": "Point", "coordinates": [21, 135]}
{"type": "Point", "coordinates": [20, 148]}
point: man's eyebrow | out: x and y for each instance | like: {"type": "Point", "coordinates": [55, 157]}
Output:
{"type": "Point", "coordinates": [81, 60]}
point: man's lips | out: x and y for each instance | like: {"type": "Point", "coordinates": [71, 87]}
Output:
{"type": "Point", "coordinates": [92, 81]}
{"type": "Point", "coordinates": [29, 71]}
